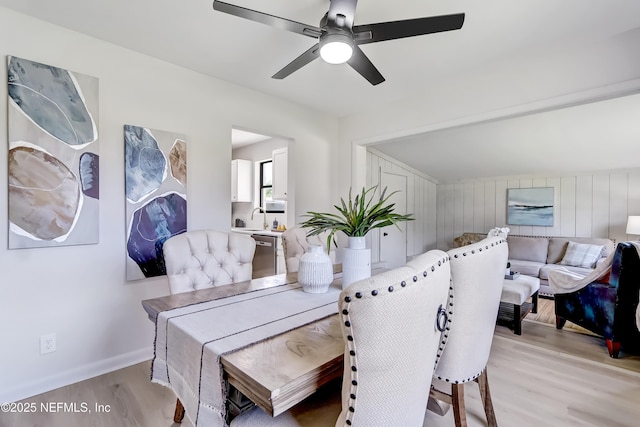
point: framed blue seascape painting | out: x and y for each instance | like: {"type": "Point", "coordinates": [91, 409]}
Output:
{"type": "Point", "coordinates": [530, 206]}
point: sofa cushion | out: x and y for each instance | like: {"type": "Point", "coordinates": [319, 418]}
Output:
{"type": "Point", "coordinates": [528, 248]}
{"type": "Point", "coordinates": [558, 246]}
{"type": "Point", "coordinates": [544, 271]}
{"type": "Point", "coordinates": [582, 255]}
{"type": "Point", "coordinates": [529, 268]}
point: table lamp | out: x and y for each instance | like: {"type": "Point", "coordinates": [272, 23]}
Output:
{"type": "Point", "coordinates": [633, 225]}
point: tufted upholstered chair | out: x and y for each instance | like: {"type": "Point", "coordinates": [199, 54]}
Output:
{"type": "Point", "coordinates": [390, 329]}
{"type": "Point", "coordinates": [294, 244]}
{"type": "Point", "coordinates": [206, 258]}
{"type": "Point", "coordinates": [477, 273]}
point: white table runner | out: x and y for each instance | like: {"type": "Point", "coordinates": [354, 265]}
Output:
{"type": "Point", "coordinates": [190, 340]}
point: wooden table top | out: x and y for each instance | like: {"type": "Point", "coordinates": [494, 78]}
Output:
{"type": "Point", "coordinates": [281, 371]}
{"type": "Point", "coordinates": [156, 305]}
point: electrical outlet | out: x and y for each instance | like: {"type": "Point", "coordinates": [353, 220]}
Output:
{"type": "Point", "coordinates": [47, 343]}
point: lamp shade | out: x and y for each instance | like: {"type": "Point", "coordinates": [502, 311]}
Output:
{"type": "Point", "coordinates": [336, 47]}
{"type": "Point", "coordinates": [336, 52]}
{"type": "Point", "coordinates": [633, 225]}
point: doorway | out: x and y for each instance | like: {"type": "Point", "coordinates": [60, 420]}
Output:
{"type": "Point", "coordinates": [393, 239]}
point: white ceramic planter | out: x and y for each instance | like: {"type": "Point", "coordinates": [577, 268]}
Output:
{"type": "Point", "coordinates": [315, 272]}
{"type": "Point", "coordinates": [356, 261]}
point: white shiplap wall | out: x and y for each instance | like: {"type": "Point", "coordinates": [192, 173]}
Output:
{"type": "Point", "coordinates": [585, 205]}
{"type": "Point", "coordinates": [421, 202]}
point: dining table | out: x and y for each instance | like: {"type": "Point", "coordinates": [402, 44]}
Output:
{"type": "Point", "coordinates": [300, 350]}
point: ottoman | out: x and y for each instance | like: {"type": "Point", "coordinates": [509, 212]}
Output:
{"type": "Point", "coordinates": [513, 301]}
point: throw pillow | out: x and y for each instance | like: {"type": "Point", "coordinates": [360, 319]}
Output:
{"type": "Point", "coordinates": [582, 255]}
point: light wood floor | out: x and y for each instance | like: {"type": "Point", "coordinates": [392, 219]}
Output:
{"type": "Point", "coordinates": [543, 377]}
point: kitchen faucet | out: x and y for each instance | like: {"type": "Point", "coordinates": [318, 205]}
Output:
{"type": "Point", "coordinates": [264, 211]}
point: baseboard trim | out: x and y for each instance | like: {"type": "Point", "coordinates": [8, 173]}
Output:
{"type": "Point", "coordinates": [77, 374]}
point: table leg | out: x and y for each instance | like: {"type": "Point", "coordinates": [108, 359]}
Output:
{"type": "Point", "coordinates": [534, 300]}
{"type": "Point", "coordinates": [178, 415]}
{"type": "Point", "coordinates": [517, 320]}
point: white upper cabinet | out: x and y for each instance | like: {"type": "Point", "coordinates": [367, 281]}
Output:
{"type": "Point", "coordinates": [279, 172]}
{"type": "Point", "coordinates": [241, 180]}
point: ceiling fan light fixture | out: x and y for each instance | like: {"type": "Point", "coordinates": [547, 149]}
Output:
{"type": "Point", "coordinates": [336, 48]}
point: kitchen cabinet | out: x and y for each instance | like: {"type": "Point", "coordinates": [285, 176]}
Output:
{"type": "Point", "coordinates": [279, 173]}
{"type": "Point", "coordinates": [241, 190]}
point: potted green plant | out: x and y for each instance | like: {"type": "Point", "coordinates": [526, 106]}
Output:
{"type": "Point", "coordinates": [355, 218]}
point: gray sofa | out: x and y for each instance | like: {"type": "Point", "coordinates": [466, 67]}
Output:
{"type": "Point", "coordinates": [537, 255]}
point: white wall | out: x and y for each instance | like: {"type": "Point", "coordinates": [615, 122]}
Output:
{"type": "Point", "coordinates": [585, 205]}
{"type": "Point", "coordinates": [79, 292]}
{"type": "Point", "coordinates": [421, 202]}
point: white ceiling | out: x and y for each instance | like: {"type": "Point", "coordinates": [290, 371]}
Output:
{"type": "Point", "coordinates": [191, 34]}
{"type": "Point", "coordinates": [240, 138]}
{"type": "Point", "coordinates": [597, 136]}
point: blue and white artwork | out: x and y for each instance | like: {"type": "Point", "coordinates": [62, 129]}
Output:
{"type": "Point", "coordinates": [530, 206]}
{"type": "Point", "coordinates": [53, 160]}
{"type": "Point", "coordinates": [156, 196]}
{"type": "Point", "coordinates": [151, 225]}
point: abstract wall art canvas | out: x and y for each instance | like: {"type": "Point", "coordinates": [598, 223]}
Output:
{"type": "Point", "coordinates": [53, 158]}
{"type": "Point", "coordinates": [530, 206]}
{"type": "Point", "coordinates": [156, 196]}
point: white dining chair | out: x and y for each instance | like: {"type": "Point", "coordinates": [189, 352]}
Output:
{"type": "Point", "coordinates": [477, 274]}
{"type": "Point", "coordinates": [205, 258]}
{"type": "Point", "coordinates": [392, 325]}
{"type": "Point", "coordinates": [295, 243]}
{"type": "Point", "coordinates": [201, 259]}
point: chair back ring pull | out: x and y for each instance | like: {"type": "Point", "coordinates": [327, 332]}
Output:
{"type": "Point", "coordinates": [441, 319]}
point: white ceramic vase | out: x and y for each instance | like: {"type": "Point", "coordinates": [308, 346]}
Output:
{"type": "Point", "coordinates": [356, 261]}
{"type": "Point", "coordinates": [315, 272]}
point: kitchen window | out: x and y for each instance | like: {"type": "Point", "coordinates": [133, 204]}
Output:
{"type": "Point", "coordinates": [266, 189]}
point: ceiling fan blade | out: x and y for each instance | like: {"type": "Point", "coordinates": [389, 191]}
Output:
{"type": "Point", "coordinates": [382, 31]}
{"type": "Point", "coordinates": [364, 66]}
{"type": "Point", "coordinates": [265, 18]}
{"type": "Point", "coordinates": [346, 8]}
{"type": "Point", "coordinates": [299, 62]}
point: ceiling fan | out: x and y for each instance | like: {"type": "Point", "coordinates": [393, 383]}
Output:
{"type": "Point", "coordinates": [339, 40]}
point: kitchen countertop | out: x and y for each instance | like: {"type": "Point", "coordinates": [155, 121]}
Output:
{"type": "Point", "coordinates": [249, 230]}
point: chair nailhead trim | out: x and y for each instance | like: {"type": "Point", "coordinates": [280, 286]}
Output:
{"type": "Point", "coordinates": [350, 339]}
